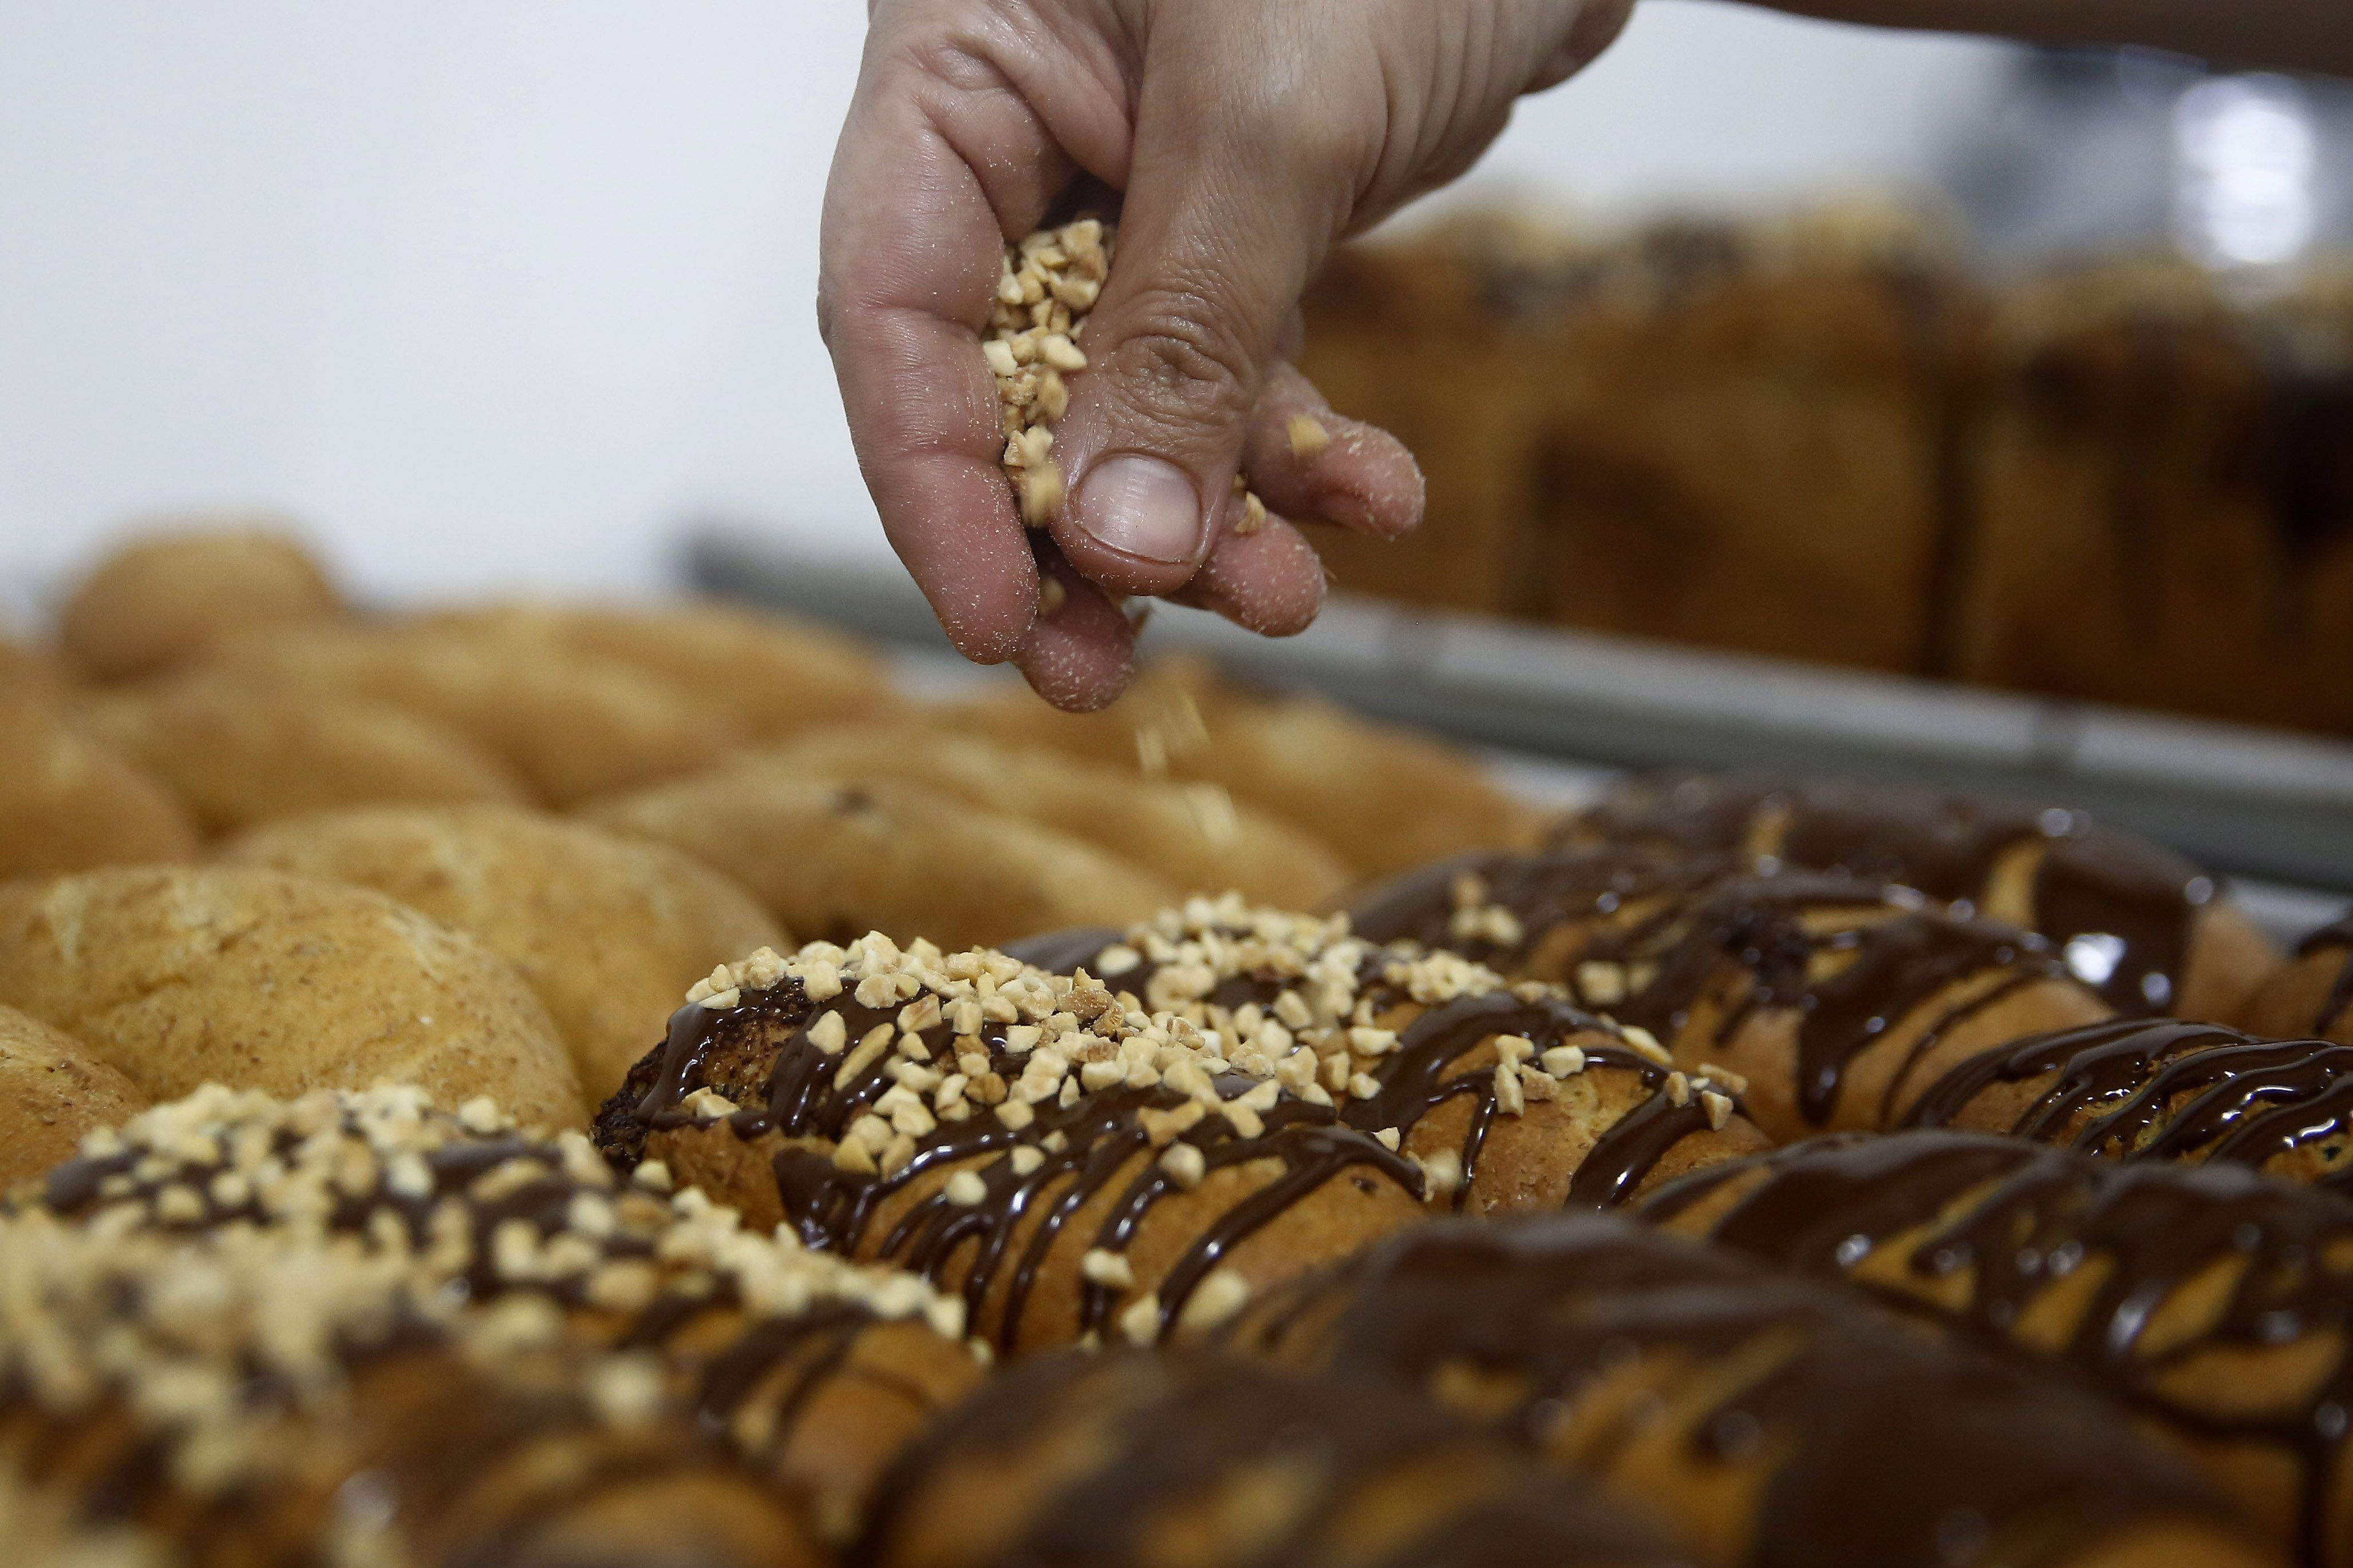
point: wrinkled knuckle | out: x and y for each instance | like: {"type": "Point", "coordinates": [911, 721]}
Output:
{"type": "Point", "coordinates": [1181, 363]}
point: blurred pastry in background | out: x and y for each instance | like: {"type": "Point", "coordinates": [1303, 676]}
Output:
{"type": "Point", "coordinates": [52, 1091]}
{"type": "Point", "coordinates": [68, 801]}
{"type": "Point", "coordinates": [2312, 993]}
{"type": "Point", "coordinates": [177, 588]}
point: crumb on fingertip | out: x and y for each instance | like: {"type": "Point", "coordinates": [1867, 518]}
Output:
{"type": "Point", "coordinates": [1308, 437]}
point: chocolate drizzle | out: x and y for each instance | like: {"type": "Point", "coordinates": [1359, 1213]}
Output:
{"type": "Point", "coordinates": [2139, 1090]}
{"type": "Point", "coordinates": [2134, 906]}
{"type": "Point", "coordinates": [2010, 1220]}
{"type": "Point", "coordinates": [1671, 933]}
{"type": "Point", "coordinates": [1881, 1450]}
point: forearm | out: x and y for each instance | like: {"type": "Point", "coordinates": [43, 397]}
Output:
{"type": "Point", "coordinates": [2309, 34]}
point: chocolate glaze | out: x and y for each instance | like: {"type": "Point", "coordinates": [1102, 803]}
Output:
{"type": "Point", "coordinates": [1083, 1147]}
{"type": "Point", "coordinates": [2011, 1217]}
{"type": "Point", "coordinates": [2159, 1089]}
{"type": "Point", "coordinates": [1883, 1450]}
{"type": "Point", "coordinates": [1676, 926]}
{"type": "Point", "coordinates": [2089, 882]}
{"type": "Point", "coordinates": [1180, 1431]}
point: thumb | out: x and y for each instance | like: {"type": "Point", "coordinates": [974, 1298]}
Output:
{"type": "Point", "coordinates": [1219, 231]}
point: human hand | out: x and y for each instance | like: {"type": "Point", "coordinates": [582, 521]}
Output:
{"type": "Point", "coordinates": [1244, 136]}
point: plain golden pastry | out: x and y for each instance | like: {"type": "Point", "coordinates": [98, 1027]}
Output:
{"type": "Point", "coordinates": [1758, 1418]}
{"type": "Point", "coordinates": [2138, 922]}
{"type": "Point", "coordinates": [609, 931]}
{"type": "Point", "coordinates": [24, 667]}
{"type": "Point", "coordinates": [177, 976]}
{"type": "Point", "coordinates": [2215, 1304]}
{"type": "Point", "coordinates": [2154, 1088]}
{"type": "Point", "coordinates": [52, 1091]}
{"type": "Point", "coordinates": [1835, 999]}
{"type": "Point", "coordinates": [1195, 837]}
{"type": "Point", "coordinates": [780, 675]}
{"type": "Point", "coordinates": [572, 724]}
{"type": "Point", "coordinates": [169, 597]}
{"type": "Point", "coordinates": [239, 1312]}
{"type": "Point", "coordinates": [1383, 798]}
{"type": "Point", "coordinates": [1080, 1161]}
{"type": "Point", "coordinates": [2313, 992]}
{"type": "Point", "coordinates": [68, 802]}
{"type": "Point", "coordinates": [1129, 1460]}
{"type": "Point", "coordinates": [240, 751]}
{"type": "Point", "coordinates": [834, 860]}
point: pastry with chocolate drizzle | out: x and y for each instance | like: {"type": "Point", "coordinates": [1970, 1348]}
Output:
{"type": "Point", "coordinates": [2138, 924]}
{"type": "Point", "coordinates": [401, 1256]}
{"type": "Point", "coordinates": [2213, 1303]}
{"type": "Point", "coordinates": [2312, 993]}
{"type": "Point", "coordinates": [1836, 999]}
{"type": "Point", "coordinates": [1229, 1096]}
{"type": "Point", "coordinates": [1761, 1419]}
{"type": "Point", "coordinates": [2156, 1088]}
{"type": "Point", "coordinates": [1130, 1461]}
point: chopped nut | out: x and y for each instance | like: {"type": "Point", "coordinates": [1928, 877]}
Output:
{"type": "Point", "coordinates": [1141, 1321]}
{"type": "Point", "coordinates": [1186, 1164]}
{"type": "Point", "coordinates": [1563, 1061]}
{"type": "Point", "coordinates": [1508, 1097]}
{"type": "Point", "coordinates": [1719, 1108]}
{"type": "Point", "coordinates": [1100, 1267]}
{"type": "Point", "coordinates": [1442, 1174]}
{"type": "Point", "coordinates": [1388, 1138]}
{"type": "Point", "coordinates": [1214, 1300]}
{"type": "Point", "coordinates": [967, 1189]}
{"type": "Point", "coordinates": [828, 1034]}
{"type": "Point", "coordinates": [1679, 1091]}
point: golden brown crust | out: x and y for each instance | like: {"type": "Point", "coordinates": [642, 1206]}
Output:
{"type": "Point", "coordinates": [835, 862]}
{"type": "Point", "coordinates": [574, 724]}
{"type": "Point", "coordinates": [52, 1091]}
{"type": "Point", "coordinates": [2311, 993]}
{"type": "Point", "coordinates": [608, 932]}
{"type": "Point", "coordinates": [778, 676]}
{"type": "Point", "coordinates": [241, 750]}
{"type": "Point", "coordinates": [1195, 837]}
{"type": "Point", "coordinates": [67, 802]}
{"type": "Point", "coordinates": [247, 976]}
{"type": "Point", "coordinates": [166, 598]}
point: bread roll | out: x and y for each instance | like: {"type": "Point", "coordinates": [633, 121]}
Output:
{"type": "Point", "coordinates": [2138, 924]}
{"type": "Point", "coordinates": [1383, 798]}
{"type": "Point", "coordinates": [537, 1362]}
{"type": "Point", "coordinates": [835, 860]}
{"type": "Point", "coordinates": [178, 976]}
{"type": "Point", "coordinates": [1836, 1000]}
{"type": "Point", "coordinates": [2216, 1304]}
{"type": "Point", "coordinates": [67, 802]}
{"type": "Point", "coordinates": [2312, 993]}
{"type": "Point", "coordinates": [608, 932]}
{"type": "Point", "coordinates": [1195, 837]}
{"type": "Point", "coordinates": [1124, 1460]}
{"type": "Point", "coordinates": [52, 1091]}
{"type": "Point", "coordinates": [1078, 1167]}
{"type": "Point", "coordinates": [239, 750]}
{"type": "Point", "coordinates": [2139, 1089]}
{"type": "Point", "coordinates": [1757, 1419]}
{"type": "Point", "coordinates": [572, 724]}
{"type": "Point", "coordinates": [168, 598]}
{"type": "Point", "coordinates": [780, 675]}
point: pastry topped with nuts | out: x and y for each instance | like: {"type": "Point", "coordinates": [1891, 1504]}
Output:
{"type": "Point", "coordinates": [362, 1222]}
{"type": "Point", "coordinates": [1238, 1095]}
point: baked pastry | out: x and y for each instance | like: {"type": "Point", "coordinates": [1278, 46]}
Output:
{"type": "Point", "coordinates": [177, 976]}
{"type": "Point", "coordinates": [573, 724]}
{"type": "Point", "coordinates": [1129, 1460]}
{"type": "Point", "coordinates": [2312, 993]}
{"type": "Point", "coordinates": [1758, 1418]}
{"type": "Point", "coordinates": [169, 596]}
{"type": "Point", "coordinates": [1835, 999]}
{"type": "Point", "coordinates": [2215, 1304]}
{"type": "Point", "coordinates": [2139, 1089]}
{"type": "Point", "coordinates": [2159, 498]}
{"type": "Point", "coordinates": [240, 750]}
{"type": "Point", "coordinates": [52, 1091]}
{"type": "Point", "coordinates": [1383, 798]}
{"type": "Point", "coordinates": [1195, 837]}
{"type": "Point", "coordinates": [67, 802]}
{"type": "Point", "coordinates": [1077, 1166]}
{"type": "Point", "coordinates": [521, 1357]}
{"type": "Point", "coordinates": [834, 860]}
{"type": "Point", "coordinates": [608, 932]}
{"type": "Point", "coordinates": [780, 675]}
{"type": "Point", "coordinates": [2143, 926]}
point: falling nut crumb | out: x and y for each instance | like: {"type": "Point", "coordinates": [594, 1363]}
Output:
{"type": "Point", "coordinates": [1052, 596]}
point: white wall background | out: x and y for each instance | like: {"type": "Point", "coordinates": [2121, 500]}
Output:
{"type": "Point", "coordinates": [495, 295]}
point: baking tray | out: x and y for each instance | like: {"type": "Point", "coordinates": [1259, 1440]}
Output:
{"type": "Point", "coordinates": [2258, 803]}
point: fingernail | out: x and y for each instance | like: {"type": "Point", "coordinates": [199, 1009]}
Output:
{"type": "Point", "coordinates": [1350, 511]}
{"type": "Point", "coordinates": [1142, 506]}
